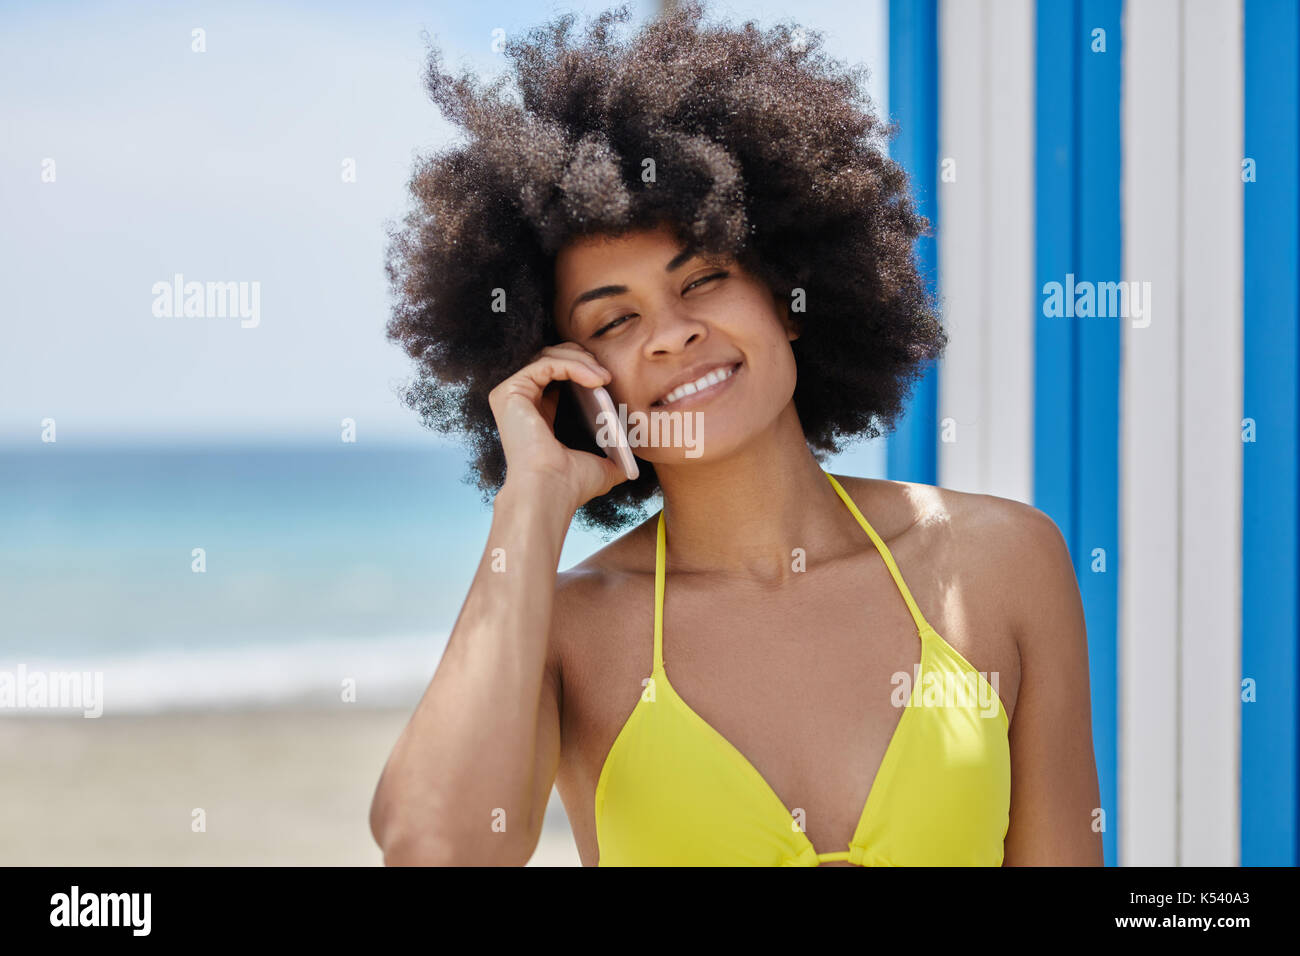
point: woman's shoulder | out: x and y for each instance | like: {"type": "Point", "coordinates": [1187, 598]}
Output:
{"type": "Point", "coordinates": [597, 604]}
{"type": "Point", "coordinates": [981, 544]}
{"type": "Point", "coordinates": [958, 517]}
{"type": "Point", "coordinates": [600, 578]}
{"type": "Point", "coordinates": [624, 555]}
{"type": "Point", "coordinates": [1002, 551]}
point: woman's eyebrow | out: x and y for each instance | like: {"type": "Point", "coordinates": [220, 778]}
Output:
{"type": "Point", "coordinates": [605, 291]}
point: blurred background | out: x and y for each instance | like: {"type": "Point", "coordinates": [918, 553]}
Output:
{"type": "Point", "coordinates": [248, 709]}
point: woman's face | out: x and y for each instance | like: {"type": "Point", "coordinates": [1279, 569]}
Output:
{"type": "Point", "coordinates": [657, 316]}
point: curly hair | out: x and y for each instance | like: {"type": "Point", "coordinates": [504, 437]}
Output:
{"type": "Point", "coordinates": [757, 147]}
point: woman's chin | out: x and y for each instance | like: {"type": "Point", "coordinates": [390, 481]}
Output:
{"type": "Point", "coordinates": [695, 449]}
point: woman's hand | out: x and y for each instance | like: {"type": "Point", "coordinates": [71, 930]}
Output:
{"type": "Point", "coordinates": [524, 409]}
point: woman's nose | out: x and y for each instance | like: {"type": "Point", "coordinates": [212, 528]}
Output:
{"type": "Point", "coordinates": [674, 328]}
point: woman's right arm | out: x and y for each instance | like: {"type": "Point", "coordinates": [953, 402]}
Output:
{"type": "Point", "coordinates": [464, 782]}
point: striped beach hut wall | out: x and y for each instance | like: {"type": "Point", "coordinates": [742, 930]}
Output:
{"type": "Point", "coordinates": [1114, 191]}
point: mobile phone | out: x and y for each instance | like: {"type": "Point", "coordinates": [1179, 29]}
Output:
{"type": "Point", "coordinates": [598, 409]}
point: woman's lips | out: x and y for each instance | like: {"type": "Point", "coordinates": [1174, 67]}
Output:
{"type": "Point", "coordinates": [704, 394]}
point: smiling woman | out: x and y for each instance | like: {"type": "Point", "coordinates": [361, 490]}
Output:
{"type": "Point", "coordinates": [703, 220]}
{"type": "Point", "coordinates": [704, 136]}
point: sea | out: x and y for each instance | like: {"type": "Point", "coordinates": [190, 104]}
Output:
{"type": "Point", "coordinates": [237, 577]}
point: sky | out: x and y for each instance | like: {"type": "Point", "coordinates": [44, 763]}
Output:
{"type": "Point", "coordinates": [227, 165]}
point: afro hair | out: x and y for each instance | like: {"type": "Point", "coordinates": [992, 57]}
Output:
{"type": "Point", "coordinates": [763, 149]}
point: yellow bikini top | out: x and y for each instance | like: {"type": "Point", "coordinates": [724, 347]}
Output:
{"type": "Point", "coordinates": [675, 792]}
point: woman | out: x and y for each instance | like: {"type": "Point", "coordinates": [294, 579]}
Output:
{"type": "Point", "coordinates": [780, 666]}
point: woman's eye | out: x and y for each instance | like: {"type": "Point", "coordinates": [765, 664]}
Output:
{"type": "Point", "coordinates": [716, 275]}
{"type": "Point", "coordinates": [604, 328]}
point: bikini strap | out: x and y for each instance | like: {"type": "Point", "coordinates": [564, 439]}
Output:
{"type": "Point", "coordinates": [660, 561]}
{"type": "Point", "coordinates": [921, 624]}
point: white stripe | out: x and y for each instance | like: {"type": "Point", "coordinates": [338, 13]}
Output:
{"type": "Point", "coordinates": [986, 251]}
{"type": "Point", "coordinates": [1009, 302]}
{"type": "Point", "coordinates": [1149, 466]}
{"type": "Point", "coordinates": [1212, 357]}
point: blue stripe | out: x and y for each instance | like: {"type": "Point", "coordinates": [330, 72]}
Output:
{"type": "Point", "coordinates": [1056, 104]}
{"type": "Point", "coordinates": [1097, 341]}
{"type": "Point", "coordinates": [1270, 562]}
{"type": "Point", "coordinates": [1076, 402]}
{"type": "Point", "coordinates": [914, 105]}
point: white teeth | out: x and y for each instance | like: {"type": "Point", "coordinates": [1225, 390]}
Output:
{"type": "Point", "coordinates": [712, 378]}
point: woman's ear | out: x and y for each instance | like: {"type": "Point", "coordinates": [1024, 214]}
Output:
{"type": "Point", "coordinates": [788, 322]}
{"type": "Point", "coordinates": [793, 329]}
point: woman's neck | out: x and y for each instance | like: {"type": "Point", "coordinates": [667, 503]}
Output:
{"type": "Point", "coordinates": [743, 515]}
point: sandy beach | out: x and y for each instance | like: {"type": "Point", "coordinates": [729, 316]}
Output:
{"type": "Point", "coordinates": [279, 788]}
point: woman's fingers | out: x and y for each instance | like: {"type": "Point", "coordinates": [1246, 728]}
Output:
{"type": "Point", "coordinates": [532, 380]}
{"type": "Point", "coordinates": [525, 416]}
{"type": "Point", "coordinates": [571, 349]}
